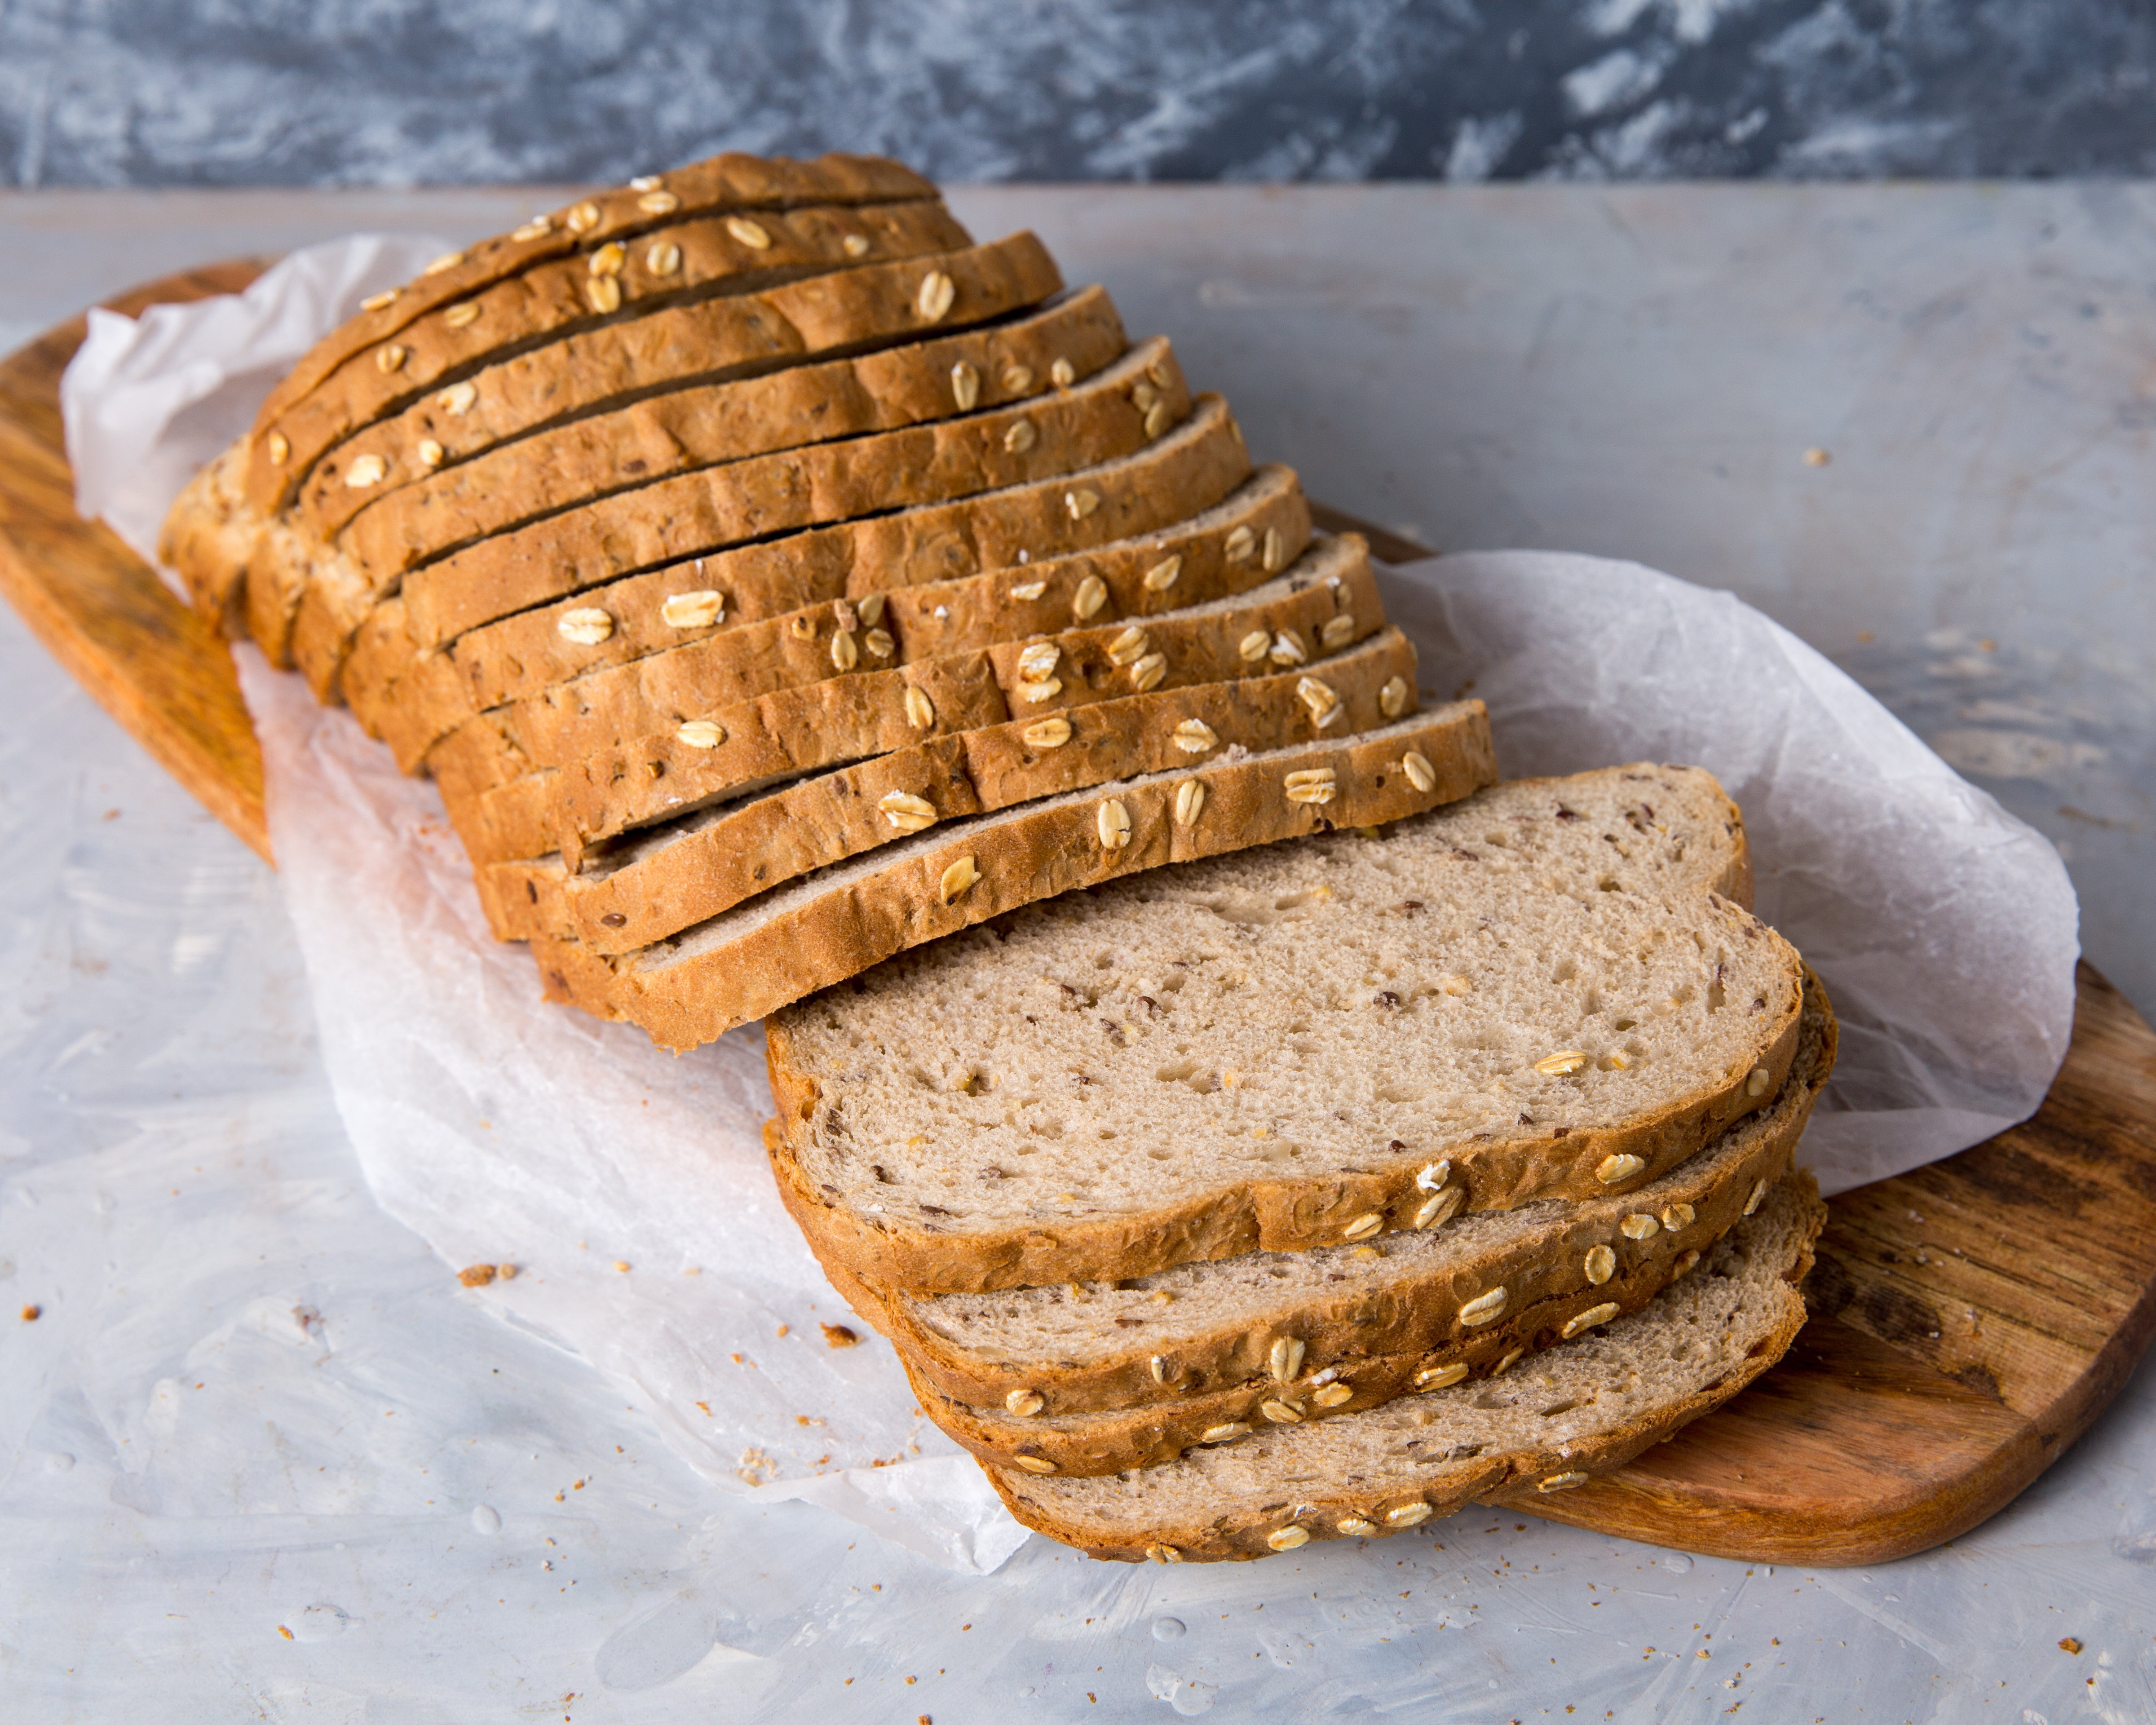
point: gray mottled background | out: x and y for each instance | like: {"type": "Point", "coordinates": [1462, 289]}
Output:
{"type": "Point", "coordinates": [398, 92]}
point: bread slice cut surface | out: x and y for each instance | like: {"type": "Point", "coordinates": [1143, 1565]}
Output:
{"type": "Point", "coordinates": [1540, 987]}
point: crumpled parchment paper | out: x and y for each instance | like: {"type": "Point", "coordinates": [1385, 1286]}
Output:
{"type": "Point", "coordinates": [628, 1187]}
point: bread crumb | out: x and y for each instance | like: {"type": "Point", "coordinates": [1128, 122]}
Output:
{"type": "Point", "coordinates": [705, 1406]}
{"type": "Point", "coordinates": [783, 1328]}
{"type": "Point", "coordinates": [1818, 458]}
{"type": "Point", "coordinates": [622, 1265]}
{"type": "Point", "coordinates": [507, 1272]}
{"type": "Point", "coordinates": [2070, 1643]}
{"type": "Point", "coordinates": [838, 1335]}
{"type": "Point", "coordinates": [476, 1276]}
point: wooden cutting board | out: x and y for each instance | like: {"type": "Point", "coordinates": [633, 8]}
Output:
{"type": "Point", "coordinates": [1969, 1320]}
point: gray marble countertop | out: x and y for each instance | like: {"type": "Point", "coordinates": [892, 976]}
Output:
{"type": "Point", "coordinates": [1911, 423]}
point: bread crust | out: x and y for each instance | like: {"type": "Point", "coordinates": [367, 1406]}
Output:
{"type": "Point", "coordinates": [1262, 527]}
{"type": "Point", "coordinates": [939, 464]}
{"type": "Point", "coordinates": [214, 529]}
{"type": "Point", "coordinates": [746, 964]}
{"type": "Point", "coordinates": [1186, 471]}
{"type": "Point", "coordinates": [1281, 1214]}
{"type": "Point", "coordinates": [559, 294]}
{"type": "Point", "coordinates": [685, 354]}
{"type": "Point", "coordinates": [1113, 1416]}
{"type": "Point", "coordinates": [624, 763]}
{"type": "Point", "coordinates": [688, 871]}
{"type": "Point", "coordinates": [1245, 1529]}
{"type": "Point", "coordinates": [730, 181]}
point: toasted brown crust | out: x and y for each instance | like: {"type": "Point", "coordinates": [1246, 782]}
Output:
{"type": "Point", "coordinates": [709, 255]}
{"type": "Point", "coordinates": [533, 396]}
{"type": "Point", "coordinates": [1114, 1414]}
{"type": "Point", "coordinates": [1245, 1530]}
{"type": "Point", "coordinates": [744, 964]}
{"type": "Point", "coordinates": [707, 866]}
{"type": "Point", "coordinates": [730, 181]}
{"type": "Point", "coordinates": [526, 654]}
{"type": "Point", "coordinates": [1024, 444]}
{"type": "Point", "coordinates": [1283, 1214]}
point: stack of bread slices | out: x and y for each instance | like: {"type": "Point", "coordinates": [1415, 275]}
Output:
{"type": "Point", "coordinates": [776, 582]}
{"type": "Point", "coordinates": [1313, 1192]}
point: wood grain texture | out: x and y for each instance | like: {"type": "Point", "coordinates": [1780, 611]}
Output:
{"type": "Point", "coordinates": [148, 660]}
{"type": "Point", "coordinates": [1970, 1319]}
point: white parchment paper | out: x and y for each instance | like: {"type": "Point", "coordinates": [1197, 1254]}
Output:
{"type": "Point", "coordinates": [629, 1186]}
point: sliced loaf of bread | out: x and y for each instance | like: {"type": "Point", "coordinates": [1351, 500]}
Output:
{"type": "Point", "coordinates": [1565, 1415]}
{"type": "Point", "coordinates": [1542, 989]}
{"type": "Point", "coordinates": [1278, 1338]}
{"type": "Point", "coordinates": [743, 964]}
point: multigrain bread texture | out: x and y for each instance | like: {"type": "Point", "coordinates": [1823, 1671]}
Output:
{"type": "Point", "coordinates": [1087, 1348]}
{"type": "Point", "coordinates": [658, 881]}
{"type": "Point", "coordinates": [215, 530]}
{"type": "Point", "coordinates": [1542, 987]}
{"type": "Point", "coordinates": [746, 962]}
{"type": "Point", "coordinates": [1188, 470]}
{"type": "Point", "coordinates": [700, 258]}
{"type": "Point", "coordinates": [1563, 1416]}
{"type": "Point", "coordinates": [1278, 1339]}
{"type": "Point", "coordinates": [728, 181]}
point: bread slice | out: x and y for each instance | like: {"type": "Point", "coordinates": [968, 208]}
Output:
{"type": "Point", "coordinates": [736, 338]}
{"type": "Point", "coordinates": [1275, 1339]}
{"type": "Point", "coordinates": [1538, 989]}
{"type": "Point", "coordinates": [1579, 1410]}
{"type": "Point", "coordinates": [668, 878]}
{"type": "Point", "coordinates": [1034, 441]}
{"type": "Point", "coordinates": [1187, 470]}
{"type": "Point", "coordinates": [696, 258]}
{"type": "Point", "coordinates": [741, 965]}
{"type": "Point", "coordinates": [730, 181]}
{"type": "Point", "coordinates": [712, 748]}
